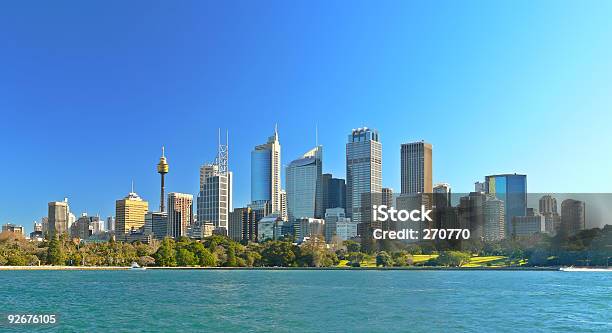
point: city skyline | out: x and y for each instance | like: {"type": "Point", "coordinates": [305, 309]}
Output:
{"type": "Point", "coordinates": [84, 120]}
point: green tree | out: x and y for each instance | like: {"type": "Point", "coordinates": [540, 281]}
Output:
{"type": "Point", "coordinates": [55, 252]}
{"type": "Point", "coordinates": [453, 258]}
{"type": "Point", "coordinates": [231, 257]}
{"type": "Point", "coordinates": [278, 253]}
{"type": "Point", "coordinates": [185, 257]}
{"type": "Point", "coordinates": [352, 246]}
{"type": "Point", "coordinates": [384, 259]}
{"type": "Point", "coordinates": [165, 255]}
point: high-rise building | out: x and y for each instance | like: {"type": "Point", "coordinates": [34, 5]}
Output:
{"type": "Point", "coordinates": [334, 191]}
{"type": "Point", "coordinates": [480, 187]}
{"type": "Point", "coordinates": [180, 213]}
{"type": "Point", "coordinates": [283, 205]}
{"type": "Point", "coordinates": [110, 223]}
{"type": "Point", "coordinates": [363, 173]}
{"type": "Point", "coordinates": [162, 169]}
{"type": "Point", "coordinates": [573, 217]}
{"type": "Point", "coordinates": [548, 204]}
{"type": "Point", "coordinates": [494, 219]}
{"type": "Point", "coordinates": [334, 216]}
{"type": "Point", "coordinates": [442, 195]}
{"type": "Point", "coordinates": [512, 190]}
{"type": "Point", "coordinates": [130, 214]}
{"type": "Point", "coordinates": [269, 227]}
{"type": "Point", "coordinates": [59, 214]}
{"type": "Point", "coordinates": [471, 214]}
{"type": "Point", "coordinates": [387, 197]}
{"type": "Point", "coordinates": [82, 228]}
{"type": "Point", "coordinates": [303, 185]}
{"type": "Point", "coordinates": [243, 227]}
{"type": "Point", "coordinates": [416, 167]}
{"type": "Point", "coordinates": [157, 224]}
{"type": "Point", "coordinates": [266, 172]}
{"type": "Point", "coordinates": [214, 197]}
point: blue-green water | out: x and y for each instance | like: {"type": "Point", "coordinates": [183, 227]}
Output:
{"type": "Point", "coordinates": [312, 301]}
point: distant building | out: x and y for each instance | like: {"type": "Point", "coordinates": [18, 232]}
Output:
{"type": "Point", "coordinates": [303, 185]}
{"type": "Point", "coordinates": [269, 228]}
{"type": "Point", "coordinates": [58, 217]}
{"type": "Point", "coordinates": [387, 197]}
{"type": "Point", "coordinates": [416, 168]}
{"type": "Point", "coordinates": [307, 228]}
{"type": "Point", "coordinates": [334, 192]}
{"type": "Point", "coordinates": [494, 219]}
{"type": "Point", "coordinates": [157, 224]}
{"type": "Point", "coordinates": [332, 216]}
{"type": "Point", "coordinates": [215, 196]}
{"type": "Point", "coordinates": [82, 228]}
{"type": "Point", "coordinates": [471, 214]}
{"type": "Point", "coordinates": [523, 226]}
{"type": "Point", "coordinates": [363, 173]}
{"type": "Point", "coordinates": [9, 227]}
{"type": "Point", "coordinates": [283, 205]}
{"type": "Point", "coordinates": [180, 213]}
{"type": "Point", "coordinates": [266, 172]}
{"type": "Point", "coordinates": [38, 234]}
{"type": "Point", "coordinates": [573, 217]}
{"type": "Point", "coordinates": [548, 205]}
{"type": "Point", "coordinates": [237, 219]}
{"type": "Point", "coordinates": [130, 214]}
{"type": "Point", "coordinates": [442, 195]}
{"type": "Point", "coordinates": [201, 230]}
{"type": "Point", "coordinates": [512, 190]}
{"type": "Point", "coordinates": [480, 187]}
{"type": "Point", "coordinates": [110, 224]}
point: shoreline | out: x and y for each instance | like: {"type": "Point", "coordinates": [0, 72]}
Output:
{"type": "Point", "coordinates": [127, 268]}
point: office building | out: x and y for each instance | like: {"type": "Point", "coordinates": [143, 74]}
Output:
{"type": "Point", "coordinates": [214, 199]}
{"type": "Point", "coordinates": [338, 225]}
{"type": "Point", "coordinates": [180, 213]}
{"type": "Point", "coordinates": [416, 168]}
{"type": "Point", "coordinates": [110, 223]}
{"type": "Point", "coordinates": [156, 223]}
{"type": "Point", "coordinates": [442, 195]}
{"type": "Point", "coordinates": [548, 205]}
{"type": "Point", "coordinates": [494, 219]}
{"type": "Point", "coordinates": [334, 191]}
{"type": "Point", "coordinates": [58, 218]}
{"type": "Point", "coordinates": [308, 228]}
{"type": "Point", "coordinates": [512, 190]}
{"type": "Point", "coordinates": [283, 205]}
{"type": "Point", "coordinates": [266, 172]}
{"type": "Point", "coordinates": [269, 228]}
{"type": "Point", "coordinates": [82, 228]}
{"type": "Point", "coordinates": [303, 185]}
{"type": "Point", "coordinates": [130, 214]}
{"type": "Point", "coordinates": [524, 226]}
{"type": "Point", "coordinates": [387, 197]}
{"type": "Point", "coordinates": [573, 217]}
{"type": "Point", "coordinates": [201, 230]}
{"type": "Point", "coordinates": [243, 225]}
{"type": "Point", "coordinates": [480, 187]}
{"type": "Point", "coordinates": [363, 173]}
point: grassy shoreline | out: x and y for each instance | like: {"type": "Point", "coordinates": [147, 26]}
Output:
{"type": "Point", "coordinates": [411, 268]}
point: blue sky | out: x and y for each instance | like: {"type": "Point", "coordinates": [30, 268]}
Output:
{"type": "Point", "coordinates": [89, 92]}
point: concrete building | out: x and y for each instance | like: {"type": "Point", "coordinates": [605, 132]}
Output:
{"type": "Point", "coordinates": [58, 218]}
{"type": "Point", "coordinates": [243, 225]}
{"type": "Point", "coordinates": [303, 185]}
{"type": "Point", "coordinates": [130, 214]}
{"type": "Point", "coordinates": [338, 225]}
{"type": "Point", "coordinates": [180, 213]}
{"type": "Point", "coordinates": [524, 226]}
{"type": "Point", "coordinates": [573, 217]}
{"type": "Point", "coordinates": [307, 228]}
{"type": "Point", "coordinates": [201, 230]}
{"type": "Point", "coordinates": [334, 192]}
{"type": "Point", "coordinates": [387, 197]}
{"type": "Point", "coordinates": [266, 173]}
{"type": "Point", "coordinates": [416, 168]}
{"type": "Point", "coordinates": [9, 227]}
{"type": "Point", "coordinates": [494, 219]}
{"type": "Point", "coordinates": [82, 228]}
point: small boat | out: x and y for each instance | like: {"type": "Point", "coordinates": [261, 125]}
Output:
{"type": "Point", "coordinates": [584, 269]}
{"type": "Point", "coordinates": [136, 267]}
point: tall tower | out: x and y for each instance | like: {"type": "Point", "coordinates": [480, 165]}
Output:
{"type": "Point", "coordinates": [266, 173]}
{"type": "Point", "coordinates": [162, 169]}
{"type": "Point", "coordinates": [416, 167]}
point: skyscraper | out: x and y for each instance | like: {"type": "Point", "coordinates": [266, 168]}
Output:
{"type": "Point", "coordinates": [303, 185]}
{"type": "Point", "coordinates": [214, 201]}
{"type": "Point", "coordinates": [58, 217]}
{"type": "Point", "coordinates": [387, 197]}
{"type": "Point", "coordinates": [157, 223]}
{"type": "Point", "coordinates": [573, 217]}
{"type": "Point", "coordinates": [548, 204]}
{"type": "Point", "coordinates": [180, 213]}
{"type": "Point", "coordinates": [266, 173]}
{"type": "Point", "coordinates": [416, 167]}
{"type": "Point", "coordinates": [334, 191]}
{"type": "Point", "coordinates": [162, 169]}
{"type": "Point", "coordinates": [494, 219]}
{"type": "Point", "coordinates": [130, 214]}
{"type": "Point", "coordinates": [512, 190]}
{"type": "Point", "coordinates": [363, 172]}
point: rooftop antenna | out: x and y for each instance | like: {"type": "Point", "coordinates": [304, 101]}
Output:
{"type": "Point", "coordinates": [132, 186]}
{"type": "Point", "coordinates": [316, 135]}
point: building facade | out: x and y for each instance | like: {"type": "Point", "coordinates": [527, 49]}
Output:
{"type": "Point", "coordinates": [215, 196]}
{"type": "Point", "coordinates": [512, 190]}
{"type": "Point", "coordinates": [524, 226]}
{"type": "Point", "coordinates": [180, 213]}
{"type": "Point", "coordinates": [266, 172]}
{"type": "Point", "coordinates": [130, 214]}
{"type": "Point", "coordinates": [573, 217]}
{"type": "Point", "coordinates": [58, 218]}
{"type": "Point", "coordinates": [304, 187]}
{"type": "Point", "coordinates": [416, 168]}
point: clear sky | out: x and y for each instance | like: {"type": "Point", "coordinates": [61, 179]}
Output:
{"type": "Point", "coordinates": [90, 91]}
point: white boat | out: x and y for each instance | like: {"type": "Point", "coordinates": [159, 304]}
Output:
{"type": "Point", "coordinates": [136, 267]}
{"type": "Point", "coordinates": [584, 269]}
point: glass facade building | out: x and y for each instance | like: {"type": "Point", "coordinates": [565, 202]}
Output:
{"type": "Point", "coordinates": [303, 185]}
{"type": "Point", "coordinates": [512, 190]}
{"type": "Point", "coordinates": [266, 173]}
